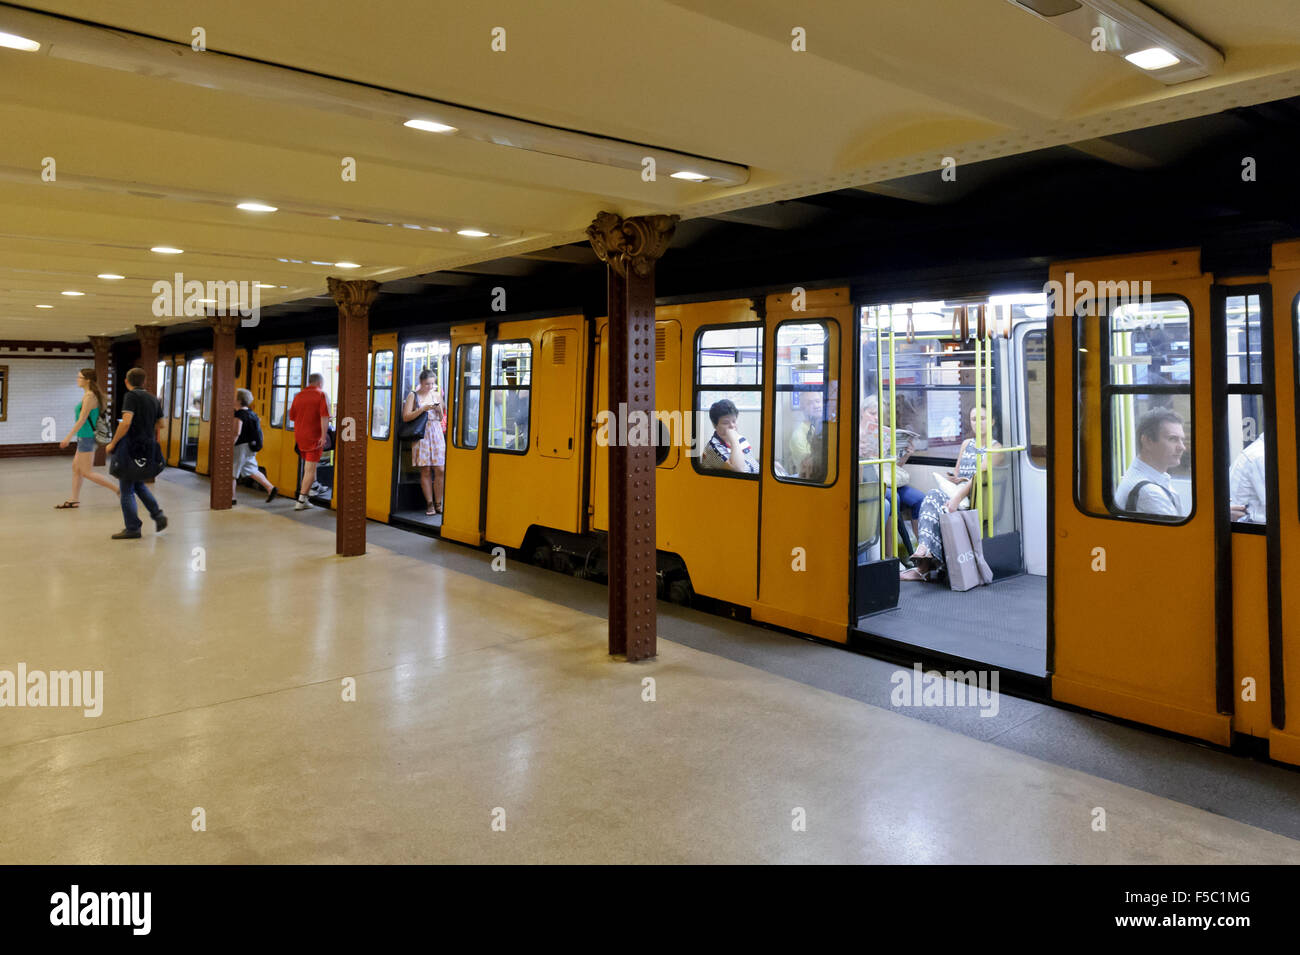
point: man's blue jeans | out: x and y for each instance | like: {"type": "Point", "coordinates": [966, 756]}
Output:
{"type": "Point", "coordinates": [129, 491]}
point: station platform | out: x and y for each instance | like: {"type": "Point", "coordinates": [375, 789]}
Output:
{"type": "Point", "coordinates": [225, 643]}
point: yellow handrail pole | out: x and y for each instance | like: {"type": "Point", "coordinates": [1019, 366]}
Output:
{"type": "Point", "coordinates": [893, 438]}
{"type": "Point", "coordinates": [975, 438]}
{"type": "Point", "coordinates": [987, 516]}
{"type": "Point", "coordinates": [880, 489]}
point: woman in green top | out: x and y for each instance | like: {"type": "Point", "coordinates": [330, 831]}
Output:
{"type": "Point", "coordinates": [89, 408]}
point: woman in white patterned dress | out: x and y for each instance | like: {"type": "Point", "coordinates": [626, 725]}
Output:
{"type": "Point", "coordinates": [430, 452]}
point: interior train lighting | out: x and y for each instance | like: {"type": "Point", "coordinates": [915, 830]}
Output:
{"type": "Point", "coordinates": [173, 62]}
{"type": "Point", "coordinates": [1133, 31]}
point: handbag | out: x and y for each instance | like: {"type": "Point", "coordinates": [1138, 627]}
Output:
{"type": "Point", "coordinates": [963, 550]}
{"type": "Point", "coordinates": [413, 429]}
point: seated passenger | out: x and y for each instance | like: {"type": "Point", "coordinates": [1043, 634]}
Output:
{"type": "Point", "coordinates": [928, 557]}
{"type": "Point", "coordinates": [807, 439]}
{"type": "Point", "coordinates": [1146, 487]}
{"type": "Point", "coordinates": [726, 448]}
{"type": "Point", "coordinates": [877, 441]}
{"type": "Point", "coordinates": [1246, 488]}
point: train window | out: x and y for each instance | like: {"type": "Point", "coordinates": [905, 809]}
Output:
{"type": "Point", "coordinates": [381, 395]}
{"type": "Point", "coordinates": [207, 391]}
{"type": "Point", "coordinates": [509, 396]}
{"type": "Point", "coordinates": [1243, 352]}
{"type": "Point", "coordinates": [4, 392]}
{"type": "Point", "coordinates": [469, 361]}
{"type": "Point", "coordinates": [165, 387]}
{"type": "Point", "coordinates": [1134, 421]}
{"type": "Point", "coordinates": [1035, 391]}
{"type": "Point", "coordinates": [325, 362]}
{"type": "Point", "coordinates": [160, 384]}
{"type": "Point", "coordinates": [729, 382]}
{"type": "Point", "coordinates": [279, 383]}
{"type": "Point", "coordinates": [294, 386]}
{"type": "Point", "coordinates": [806, 392]}
{"type": "Point", "coordinates": [178, 401]}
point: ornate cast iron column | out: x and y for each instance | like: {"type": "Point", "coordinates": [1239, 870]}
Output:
{"type": "Point", "coordinates": [150, 337]}
{"type": "Point", "coordinates": [353, 299]}
{"type": "Point", "coordinates": [629, 248]}
{"type": "Point", "coordinates": [103, 346]}
{"type": "Point", "coordinates": [221, 439]}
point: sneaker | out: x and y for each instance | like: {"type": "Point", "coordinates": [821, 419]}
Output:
{"type": "Point", "coordinates": [300, 505]}
{"type": "Point", "coordinates": [125, 535]}
{"type": "Point", "coordinates": [160, 523]}
{"type": "Point", "coordinates": [275, 492]}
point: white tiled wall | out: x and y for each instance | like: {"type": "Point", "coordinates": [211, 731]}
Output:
{"type": "Point", "coordinates": [39, 388]}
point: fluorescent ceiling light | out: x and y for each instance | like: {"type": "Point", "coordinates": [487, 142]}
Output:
{"type": "Point", "coordinates": [346, 265]}
{"type": "Point", "coordinates": [12, 41]}
{"type": "Point", "coordinates": [1155, 58]}
{"type": "Point", "coordinates": [72, 294]}
{"type": "Point", "coordinates": [473, 233]}
{"type": "Point", "coordinates": [166, 250]}
{"type": "Point", "coordinates": [110, 276]}
{"type": "Point", "coordinates": [690, 176]}
{"type": "Point", "coordinates": [1133, 31]}
{"type": "Point", "coordinates": [44, 306]}
{"type": "Point", "coordinates": [262, 285]}
{"type": "Point", "coordinates": [256, 207]}
{"type": "Point", "coordinates": [429, 126]}
{"type": "Point", "coordinates": [105, 48]}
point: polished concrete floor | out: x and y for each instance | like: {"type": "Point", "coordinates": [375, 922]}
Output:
{"type": "Point", "coordinates": [225, 644]}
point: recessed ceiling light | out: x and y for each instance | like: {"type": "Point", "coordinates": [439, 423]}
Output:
{"type": "Point", "coordinates": [256, 207]}
{"type": "Point", "coordinates": [429, 126]}
{"type": "Point", "coordinates": [14, 42]}
{"type": "Point", "coordinates": [346, 265]}
{"type": "Point", "coordinates": [206, 301]}
{"type": "Point", "coordinates": [262, 285]}
{"type": "Point", "coordinates": [44, 306]}
{"type": "Point", "coordinates": [690, 176]}
{"type": "Point", "coordinates": [473, 233]}
{"type": "Point", "coordinates": [1154, 58]}
{"type": "Point", "coordinates": [110, 276]}
{"type": "Point", "coordinates": [166, 250]}
{"type": "Point", "coordinates": [73, 294]}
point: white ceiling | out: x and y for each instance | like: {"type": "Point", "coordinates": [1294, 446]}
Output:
{"type": "Point", "coordinates": [885, 89]}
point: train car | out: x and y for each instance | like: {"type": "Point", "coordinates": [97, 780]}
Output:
{"type": "Point", "coordinates": [855, 409]}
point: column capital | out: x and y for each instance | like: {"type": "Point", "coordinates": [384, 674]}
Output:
{"type": "Point", "coordinates": [102, 344]}
{"type": "Point", "coordinates": [222, 324]}
{"type": "Point", "coordinates": [149, 334]}
{"type": "Point", "coordinates": [637, 242]}
{"type": "Point", "coordinates": [353, 297]}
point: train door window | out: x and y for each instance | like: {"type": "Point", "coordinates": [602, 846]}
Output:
{"type": "Point", "coordinates": [178, 400]}
{"type": "Point", "coordinates": [4, 392]}
{"type": "Point", "coordinates": [207, 391]}
{"type": "Point", "coordinates": [1134, 413]}
{"type": "Point", "coordinates": [325, 362]}
{"type": "Point", "coordinates": [806, 392]}
{"type": "Point", "coordinates": [1243, 352]}
{"type": "Point", "coordinates": [729, 383]}
{"type": "Point", "coordinates": [469, 371]}
{"type": "Point", "coordinates": [165, 387]}
{"type": "Point", "coordinates": [381, 395]}
{"type": "Point", "coordinates": [279, 386]}
{"type": "Point", "coordinates": [1034, 351]}
{"type": "Point", "coordinates": [509, 396]}
{"type": "Point", "coordinates": [294, 386]}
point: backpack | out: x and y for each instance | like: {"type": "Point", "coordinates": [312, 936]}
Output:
{"type": "Point", "coordinates": [255, 442]}
{"type": "Point", "coordinates": [103, 428]}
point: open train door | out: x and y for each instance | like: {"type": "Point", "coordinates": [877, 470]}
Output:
{"type": "Point", "coordinates": [380, 418]}
{"type": "Point", "coordinates": [808, 463]}
{"type": "Point", "coordinates": [463, 503]}
{"type": "Point", "coordinates": [1283, 538]}
{"type": "Point", "coordinates": [1134, 605]}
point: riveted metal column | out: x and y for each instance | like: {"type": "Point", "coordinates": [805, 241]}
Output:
{"type": "Point", "coordinates": [353, 299]}
{"type": "Point", "coordinates": [103, 346]}
{"type": "Point", "coordinates": [150, 336]}
{"type": "Point", "coordinates": [629, 248]}
{"type": "Point", "coordinates": [221, 439]}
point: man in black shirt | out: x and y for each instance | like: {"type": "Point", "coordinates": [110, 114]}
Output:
{"type": "Point", "coordinates": [135, 442]}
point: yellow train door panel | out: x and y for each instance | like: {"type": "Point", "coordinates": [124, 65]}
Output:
{"type": "Point", "coordinates": [1134, 620]}
{"type": "Point", "coordinates": [381, 424]}
{"type": "Point", "coordinates": [807, 471]}
{"type": "Point", "coordinates": [533, 375]}
{"type": "Point", "coordinates": [295, 377]}
{"type": "Point", "coordinates": [1284, 656]}
{"type": "Point", "coordinates": [176, 425]}
{"type": "Point", "coordinates": [241, 368]}
{"type": "Point", "coordinates": [202, 463]}
{"type": "Point", "coordinates": [269, 367]}
{"type": "Point", "coordinates": [462, 504]}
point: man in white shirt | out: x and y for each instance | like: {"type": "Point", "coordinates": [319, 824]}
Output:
{"type": "Point", "coordinates": [1246, 484]}
{"type": "Point", "coordinates": [1147, 487]}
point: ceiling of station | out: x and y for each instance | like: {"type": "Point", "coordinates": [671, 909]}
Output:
{"type": "Point", "coordinates": [154, 145]}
